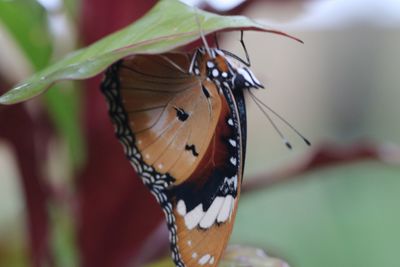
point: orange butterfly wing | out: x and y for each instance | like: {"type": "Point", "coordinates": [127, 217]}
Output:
{"type": "Point", "coordinates": [181, 132]}
{"type": "Point", "coordinates": [203, 235]}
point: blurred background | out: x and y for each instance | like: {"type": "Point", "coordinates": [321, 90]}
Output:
{"type": "Point", "coordinates": [68, 197]}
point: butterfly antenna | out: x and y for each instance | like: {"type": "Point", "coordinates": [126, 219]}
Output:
{"type": "Point", "coordinates": [256, 99]}
{"type": "Point", "coordinates": [203, 38]}
{"type": "Point", "coordinates": [283, 137]}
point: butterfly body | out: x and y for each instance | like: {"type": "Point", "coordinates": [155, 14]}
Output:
{"type": "Point", "coordinates": [181, 120]}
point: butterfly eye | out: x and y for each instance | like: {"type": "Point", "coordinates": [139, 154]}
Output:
{"type": "Point", "coordinates": [239, 82]}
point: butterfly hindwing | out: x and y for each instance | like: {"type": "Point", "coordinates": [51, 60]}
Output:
{"type": "Point", "coordinates": [182, 134]}
{"type": "Point", "coordinates": [205, 205]}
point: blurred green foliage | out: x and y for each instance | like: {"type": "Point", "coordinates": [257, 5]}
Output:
{"type": "Point", "coordinates": [27, 22]}
{"type": "Point", "coordinates": [62, 237]}
{"type": "Point", "coordinates": [343, 216]}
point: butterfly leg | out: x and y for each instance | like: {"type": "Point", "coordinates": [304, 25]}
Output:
{"type": "Point", "coordinates": [245, 50]}
{"type": "Point", "coordinates": [237, 57]}
{"type": "Point", "coordinates": [193, 61]}
{"type": "Point", "coordinates": [216, 40]}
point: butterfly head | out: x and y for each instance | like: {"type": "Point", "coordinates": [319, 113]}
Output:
{"type": "Point", "coordinates": [225, 68]}
{"type": "Point", "coordinates": [245, 79]}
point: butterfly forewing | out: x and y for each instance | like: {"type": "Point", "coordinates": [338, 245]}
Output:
{"type": "Point", "coordinates": [182, 134]}
{"type": "Point", "coordinates": [164, 106]}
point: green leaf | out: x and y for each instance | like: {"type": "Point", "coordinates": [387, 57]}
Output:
{"type": "Point", "coordinates": [168, 25]}
{"type": "Point", "coordinates": [64, 107]}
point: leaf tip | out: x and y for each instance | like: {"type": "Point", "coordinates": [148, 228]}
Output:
{"type": "Point", "coordinates": [4, 99]}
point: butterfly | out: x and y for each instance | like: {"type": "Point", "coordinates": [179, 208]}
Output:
{"type": "Point", "coordinates": [181, 118]}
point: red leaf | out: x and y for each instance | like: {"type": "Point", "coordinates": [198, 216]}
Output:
{"type": "Point", "coordinates": [117, 213]}
{"type": "Point", "coordinates": [23, 134]}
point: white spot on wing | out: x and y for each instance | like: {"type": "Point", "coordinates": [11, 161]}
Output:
{"type": "Point", "coordinates": [181, 208]}
{"type": "Point", "coordinates": [210, 64]}
{"type": "Point", "coordinates": [215, 72]}
{"type": "Point", "coordinates": [211, 260]}
{"type": "Point", "coordinates": [230, 122]}
{"type": "Point", "coordinates": [203, 260]}
{"type": "Point", "coordinates": [233, 161]}
{"type": "Point", "coordinates": [212, 213]}
{"type": "Point", "coordinates": [225, 209]}
{"type": "Point", "coordinates": [193, 217]}
{"type": "Point", "coordinates": [232, 142]}
{"type": "Point", "coordinates": [194, 255]}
